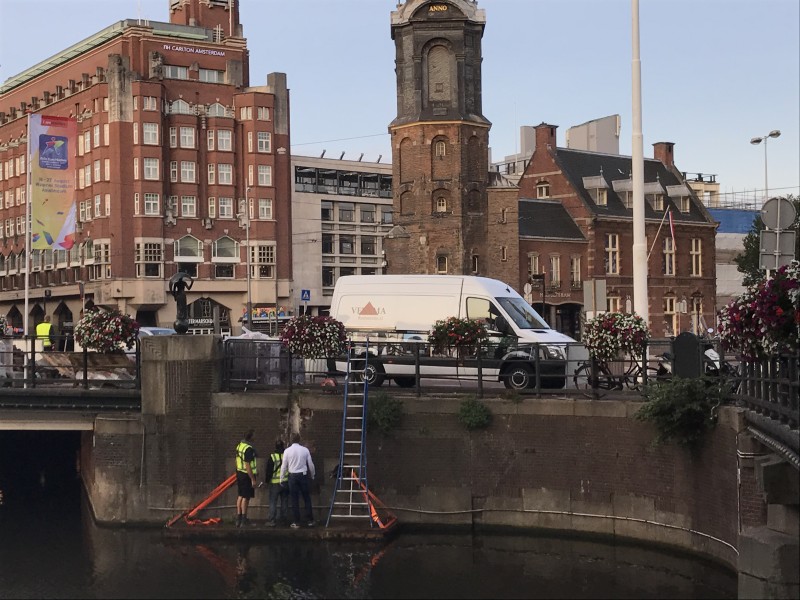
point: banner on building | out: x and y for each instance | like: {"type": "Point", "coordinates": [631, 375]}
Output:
{"type": "Point", "coordinates": [51, 141]}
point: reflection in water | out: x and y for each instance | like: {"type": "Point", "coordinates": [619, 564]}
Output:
{"type": "Point", "coordinates": [50, 548]}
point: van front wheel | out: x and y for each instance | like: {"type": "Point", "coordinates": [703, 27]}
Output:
{"type": "Point", "coordinates": [518, 377]}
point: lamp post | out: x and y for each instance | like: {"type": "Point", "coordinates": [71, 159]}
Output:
{"type": "Point", "coordinates": [245, 215]}
{"type": "Point", "coordinates": [756, 141]}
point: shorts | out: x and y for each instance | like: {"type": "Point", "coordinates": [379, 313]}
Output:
{"type": "Point", "coordinates": [245, 485]}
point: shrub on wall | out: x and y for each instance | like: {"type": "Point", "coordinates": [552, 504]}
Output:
{"type": "Point", "coordinates": [682, 409]}
{"type": "Point", "coordinates": [473, 414]}
{"type": "Point", "coordinates": [383, 412]}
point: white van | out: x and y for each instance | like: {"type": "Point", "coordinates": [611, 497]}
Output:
{"type": "Point", "coordinates": [388, 309]}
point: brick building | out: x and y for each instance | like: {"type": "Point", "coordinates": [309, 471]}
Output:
{"type": "Point", "coordinates": [569, 216]}
{"type": "Point", "coordinates": [180, 161]}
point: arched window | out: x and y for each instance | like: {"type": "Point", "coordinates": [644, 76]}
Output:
{"type": "Point", "coordinates": [440, 149]}
{"type": "Point", "coordinates": [225, 249]}
{"type": "Point", "coordinates": [407, 203]}
{"type": "Point", "coordinates": [406, 170]}
{"type": "Point", "coordinates": [216, 110]}
{"type": "Point", "coordinates": [180, 107]}
{"type": "Point", "coordinates": [441, 264]}
{"type": "Point", "coordinates": [440, 74]}
{"type": "Point", "coordinates": [441, 204]}
{"type": "Point", "coordinates": [188, 249]}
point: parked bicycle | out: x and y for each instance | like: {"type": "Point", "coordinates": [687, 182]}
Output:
{"type": "Point", "coordinates": [633, 377]}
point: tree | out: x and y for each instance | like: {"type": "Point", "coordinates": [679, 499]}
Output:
{"type": "Point", "coordinates": [747, 262]}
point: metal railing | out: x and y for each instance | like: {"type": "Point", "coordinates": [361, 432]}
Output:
{"type": "Point", "coordinates": [27, 363]}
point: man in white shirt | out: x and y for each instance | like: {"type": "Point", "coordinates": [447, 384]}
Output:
{"type": "Point", "coordinates": [298, 467]}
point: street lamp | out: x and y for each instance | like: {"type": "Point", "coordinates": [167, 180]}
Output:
{"type": "Point", "coordinates": [756, 141]}
{"type": "Point", "coordinates": [244, 221]}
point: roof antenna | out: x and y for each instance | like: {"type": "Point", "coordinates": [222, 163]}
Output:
{"type": "Point", "coordinates": [380, 156]}
{"type": "Point", "coordinates": [323, 154]}
{"type": "Point", "coordinates": [341, 156]}
{"type": "Point", "coordinates": [360, 157]}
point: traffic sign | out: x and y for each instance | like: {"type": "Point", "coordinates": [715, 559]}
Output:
{"type": "Point", "coordinates": [771, 256]}
{"type": "Point", "coordinates": [771, 210]}
{"type": "Point", "coordinates": [305, 295]}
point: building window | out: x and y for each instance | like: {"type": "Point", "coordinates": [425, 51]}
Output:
{"type": "Point", "coordinates": [97, 207]}
{"type": "Point", "coordinates": [150, 169]}
{"type": "Point", "coordinates": [669, 257]}
{"type": "Point", "coordinates": [367, 213]}
{"type": "Point", "coordinates": [533, 264]}
{"type": "Point", "coordinates": [150, 134]}
{"type": "Point", "coordinates": [555, 270]}
{"type": "Point", "coordinates": [441, 264]}
{"type": "Point", "coordinates": [149, 103]}
{"type": "Point", "coordinates": [246, 113]}
{"type": "Point", "coordinates": [670, 315]}
{"type": "Point", "coordinates": [262, 260]}
{"type": "Point", "coordinates": [210, 139]}
{"type": "Point", "coordinates": [575, 271]}
{"type": "Point", "coordinates": [173, 137]}
{"type": "Point", "coordinates": [612, 254]}
{"type": "Point", "coordinates": [685, 204]}
{"type": "Point", "coordinates": [173, 171]}
{"type": "Point", "coordinates": [212, 173]}
{"type": "Point", "coordinates": [346, 244]}
{"type": "Point", "coordinates": [387, 216]}
{"type": "Point", "coordinates": [176, 72]}
{"type": "Point", "coordinates": [475, 264]}
{"type": "Point", "coordinates": [264, 175]}
{"type": "Point", "coordinates": [225, 173]}
{"type": "Point", "coordinates": [211, 76]}
{"type": "Point", "coordinates": [368, 245]}
{"type": "Point", "coordinates": [441, 149]}
{"type": "Point", "coordinates": [327, 243]}
{"type": "Point", "coordinates": [326, 210]}
{"type": "Point", "coordinates": [264, 141]}
{"type": "Point", "coordinates": [107, 169]}
{"type": "Point", "coordinates": [441, 204]}
{"type": "Point", "coordinates": [212, 208]}
{"type": "Point", "coordinates": [698, 323]}
{"type": "Point", "coordinates": [601, 196]}
{"type": "Point", "coordinates": [188, 206]}
{"type": "Point", "coordinates": [656, 201]}
{"type": "Point", "coordinates": [187, 137]}
{"type": "Point", "coordinates": [96, 171]}
{"type": "Point", "coordinates": [225, 208]}
{"type": "Point", "coordinates": [180, 107]}
{"type": "Point", "coordinates": [346, 212]}
{"type": "Point", "coordinates": [328, 278]}
{"type": "Point", "coordinates": [265, 208]}
{"type": "Point", "coordinates": [263, 113]}
{"type": "Point", "coordinates": [697, 257]}
{"type": "Point", "coordinates": [187, 171]}
{"type": "Point", "coordinates": [503, 253]}
{"type": "Point", "coordinates": [224, 140]}
{"type": "Point", "coordinates": [149, 258]}
{"type": "Point", "coordinates": [543, 190]}
{"type": "Point", "coordinates": [151, 204]}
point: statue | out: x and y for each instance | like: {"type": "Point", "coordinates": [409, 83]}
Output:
{"type": "Point", "coordinates": [178, 285]}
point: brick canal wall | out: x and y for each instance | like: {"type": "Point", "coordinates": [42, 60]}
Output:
{"type": "Point", "coordinates": [564, 464]}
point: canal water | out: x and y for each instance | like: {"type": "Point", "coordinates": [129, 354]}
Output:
{"type": "Point", "coordinates": [51, 548]}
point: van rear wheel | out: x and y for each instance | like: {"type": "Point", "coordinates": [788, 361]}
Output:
{"type": "Point", "coordinates": [373, 374]}
{"type": "Point", "coordinates": [518, 377]}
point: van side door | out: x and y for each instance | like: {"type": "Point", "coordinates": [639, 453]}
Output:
{"type": "Point", "coordinates": [483, 309]}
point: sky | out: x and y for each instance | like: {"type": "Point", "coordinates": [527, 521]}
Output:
{"type": "Point", "coordinates": [715, 73]}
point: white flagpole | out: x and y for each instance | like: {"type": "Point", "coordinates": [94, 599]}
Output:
{"type": "Point", "coordinates": [660, 225]}
{"type": "Point", "coordinates": [28, 228]}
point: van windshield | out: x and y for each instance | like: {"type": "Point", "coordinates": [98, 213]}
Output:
{"type": "Point", "coordinates": [522, 314]}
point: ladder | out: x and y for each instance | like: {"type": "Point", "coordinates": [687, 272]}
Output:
{"type": "Point", "coordinates": [350, 499]}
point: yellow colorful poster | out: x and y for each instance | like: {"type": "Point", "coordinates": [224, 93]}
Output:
{"type": "Point", "coordinates": [52, 164]}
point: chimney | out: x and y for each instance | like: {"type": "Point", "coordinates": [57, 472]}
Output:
{"type": "Point", "coordinates": [546, 136]}
{"type": "Point", "coordinates": [663, 151]}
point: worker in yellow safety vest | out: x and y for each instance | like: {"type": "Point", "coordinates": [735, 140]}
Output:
{"type": "Point", "coordinates": [44, 332]}
{"type": "Point", "coordinates": [246, 471]}
{"type": "Point", "coordinates": [278, 492]}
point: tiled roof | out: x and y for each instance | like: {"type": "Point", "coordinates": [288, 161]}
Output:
{"type": "Point", "coordinates": [546, 219]}
{"type": "Point", "coordinates": [579, 164]}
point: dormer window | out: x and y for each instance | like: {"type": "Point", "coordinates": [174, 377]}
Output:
{"type": "Point", "coordinates": [597, 188]}
{"type": "Point", "coordinates": [627, 198]}
{"type": "Point", "coordinates": [543, 190]}
{"type": "Point", "coordinates": [685, 204]}
{"type": "Point", "coordinates": [656, 201]}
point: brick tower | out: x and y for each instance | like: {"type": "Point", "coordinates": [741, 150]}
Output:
{"type": "Point", "coordinates": [440, 139]}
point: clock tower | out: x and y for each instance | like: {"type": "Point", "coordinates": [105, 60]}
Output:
{"type": "Point", "coordinates": [440, 140]}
